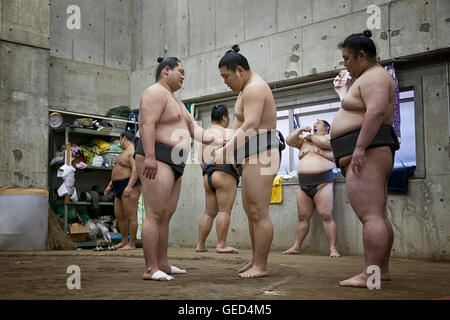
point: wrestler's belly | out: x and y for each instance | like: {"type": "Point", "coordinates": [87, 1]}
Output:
{"type": "Point", "coordinates": [175, 136]}
{"type": "Point", "coordinates": [312, 163]}
{"type": "Point", "coordinates": [120, 173]}
{"type": "Point", "coordinates": [345, 121]}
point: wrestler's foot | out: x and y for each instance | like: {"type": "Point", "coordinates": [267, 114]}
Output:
{"type": "Point", "coordinates": [292, 250]}
{"type": "Point", "coordinates": [357, 281]}
{"type": "Point", "coordinates": [385, 276]}
{"type": "Point", "coordinates": [156, 275]}
{"type": "Point", "coordinates": [334, 253]}
{"type": "Point", "coordinates": [201, 249]}
{"type": "Point", "coordinates": [165, 268]}
{"type": "Point", "coordinates": [254, 272]}
{"type": "Point", "coordinates": [170, 270]}
{"type": "Point", "coordinates": [247, 266]}
{"type": "Point", "coordinates": [128, 247]}
{"type": "Point", "coordinates": [226, 249]}
{"type": "Point", "coordinates": [120, 245]}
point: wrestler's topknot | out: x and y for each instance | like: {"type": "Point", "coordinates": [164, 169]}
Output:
{"type": "Point", "coordinates": [360, 41]}
{"type": "Point", "coordinates": [233, 58]}
{"type": "Point", "coordinates": [367, 33]}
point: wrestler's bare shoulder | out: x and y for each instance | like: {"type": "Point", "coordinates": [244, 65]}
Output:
{"type": "Point", "coordinates": [258, 82]}
{"type": "Point", "coordinates": [156, 90]}
{"type": "Point", "coordinates": [255, 88]}
{"type": "Point", "coordinates": [216, 130]}
{"type": "Point", "coordinates": [377, 74]}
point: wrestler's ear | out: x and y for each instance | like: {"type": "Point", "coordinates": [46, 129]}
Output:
{"type": "Point", "coordinates": [362, 54]}
{"type": "Point", "coordinates": [166, 70]}
{"type": "Point", "coordinates": [239, 69]}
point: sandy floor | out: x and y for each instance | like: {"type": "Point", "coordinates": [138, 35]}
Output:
{"type": "Point", "coordinates": [117, 275]}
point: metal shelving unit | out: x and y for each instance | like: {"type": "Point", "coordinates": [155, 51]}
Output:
{"type": "Point", "coordinates": [69, 132]}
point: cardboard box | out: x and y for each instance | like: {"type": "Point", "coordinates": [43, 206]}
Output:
{"type": "Point", "coordinates": [78, 231]}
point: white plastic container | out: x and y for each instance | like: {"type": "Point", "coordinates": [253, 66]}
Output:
{"type": "Point", "coordinates": [23, 218]}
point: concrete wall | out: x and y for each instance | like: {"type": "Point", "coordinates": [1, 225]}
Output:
{"type": "Point", "coordinates": [282, 39]}
{"type": "Point", "coordinates": [289, 41]}
{"type": "Point", "coordinates": [24, 54]}
{"type": "Point", "coordinates": [90, 67]}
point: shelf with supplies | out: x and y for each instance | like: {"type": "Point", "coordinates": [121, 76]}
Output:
{"type": "Point", "coordinates": [83, 203]}
{"type": "Point", "coordinates": [88, 178]}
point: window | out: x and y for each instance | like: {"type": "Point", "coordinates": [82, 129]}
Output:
{"type": "Point", "coordinates": [301, 116]}
{"type": "Point", "coordinates": [406, 155]}
{"type": "Point", "coordinates": [307, 115]}
{"type": "Point", "coordinates": [283, 127]}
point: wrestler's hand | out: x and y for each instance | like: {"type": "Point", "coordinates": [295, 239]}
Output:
{"type": "Point", "coordinates": [150, 167]}
{"type": "Point", "coordinates": [308, 137]}
{"type": "Point", "coordinates": [358, 160]}
{"type": "Point", "coordinates": [219, 156]}
{"type": "Point", "coordinates": [306, 129]}
{"type": "Point", "coordinates": [107, 190]}
{"type": "Point", "coordinates": [127, 191]}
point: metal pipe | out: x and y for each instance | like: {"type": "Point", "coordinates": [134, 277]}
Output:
{"type": "Point", "coordinates": [448, 99]}
{"type": "Point", "coordinates": [90, 115]}
{"type": "Point", "coordinates": [275, 90]}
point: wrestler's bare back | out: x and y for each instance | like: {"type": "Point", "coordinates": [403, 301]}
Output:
{"type": "Point", "coordinates": [208, 151]}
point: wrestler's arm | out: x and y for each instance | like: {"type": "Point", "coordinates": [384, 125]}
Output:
{"type": "Point", "coordinates": [153, 103]}
{"type": "Point", "coordinates": [108, 188]}
{"type": "Point", "coordinates": [375, 96]}
{"type": "Point", "coordinates": [327, 154]}
{"type": "Point", "coordinates": [294, 139]}
{"type": "Point", "coordinates": [322, 142]}
{"type": "Point", "coordinates": [198, 133]}
{"type": "Point", "coordinates": [133, 177]}
{"type": "Point", "coordinates": [253, 99]}
{"type": "Point", "coordinates": [236, 124]}
{"type": "Point", "coordinates": [200, 149]}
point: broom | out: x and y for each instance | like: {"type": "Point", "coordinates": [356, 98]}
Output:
{"type": "Point", "coordinates": [56, 238]}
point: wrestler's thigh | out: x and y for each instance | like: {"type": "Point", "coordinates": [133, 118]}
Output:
{"type": "Point", "coordinates": [210, 199]}
{"type": "Point", "coordinates": [118, 210]}
{"type": "Point", "coordinates": [130, 203]}
{"type": "Point", "coordinates": [324, 199]}
{"type": "Point", "coordinates": [366, 190]}
{"type": "Point", "coordinates": [305, 205]}
{"type": "Point", "coordinates": [157, 192]}
{"type": "Point", "coordinates": [256, 187]}
{"type": "Point", "coordinates": [174, 196]}
{"type": "Point", "coordinates": [225, 190]}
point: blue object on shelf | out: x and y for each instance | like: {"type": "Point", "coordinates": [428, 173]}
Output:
{"type": "Point", "coordinates": [117, 236]}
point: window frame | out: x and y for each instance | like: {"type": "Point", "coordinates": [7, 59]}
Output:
{"type": "Point", "coordinates": [407, 81]}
